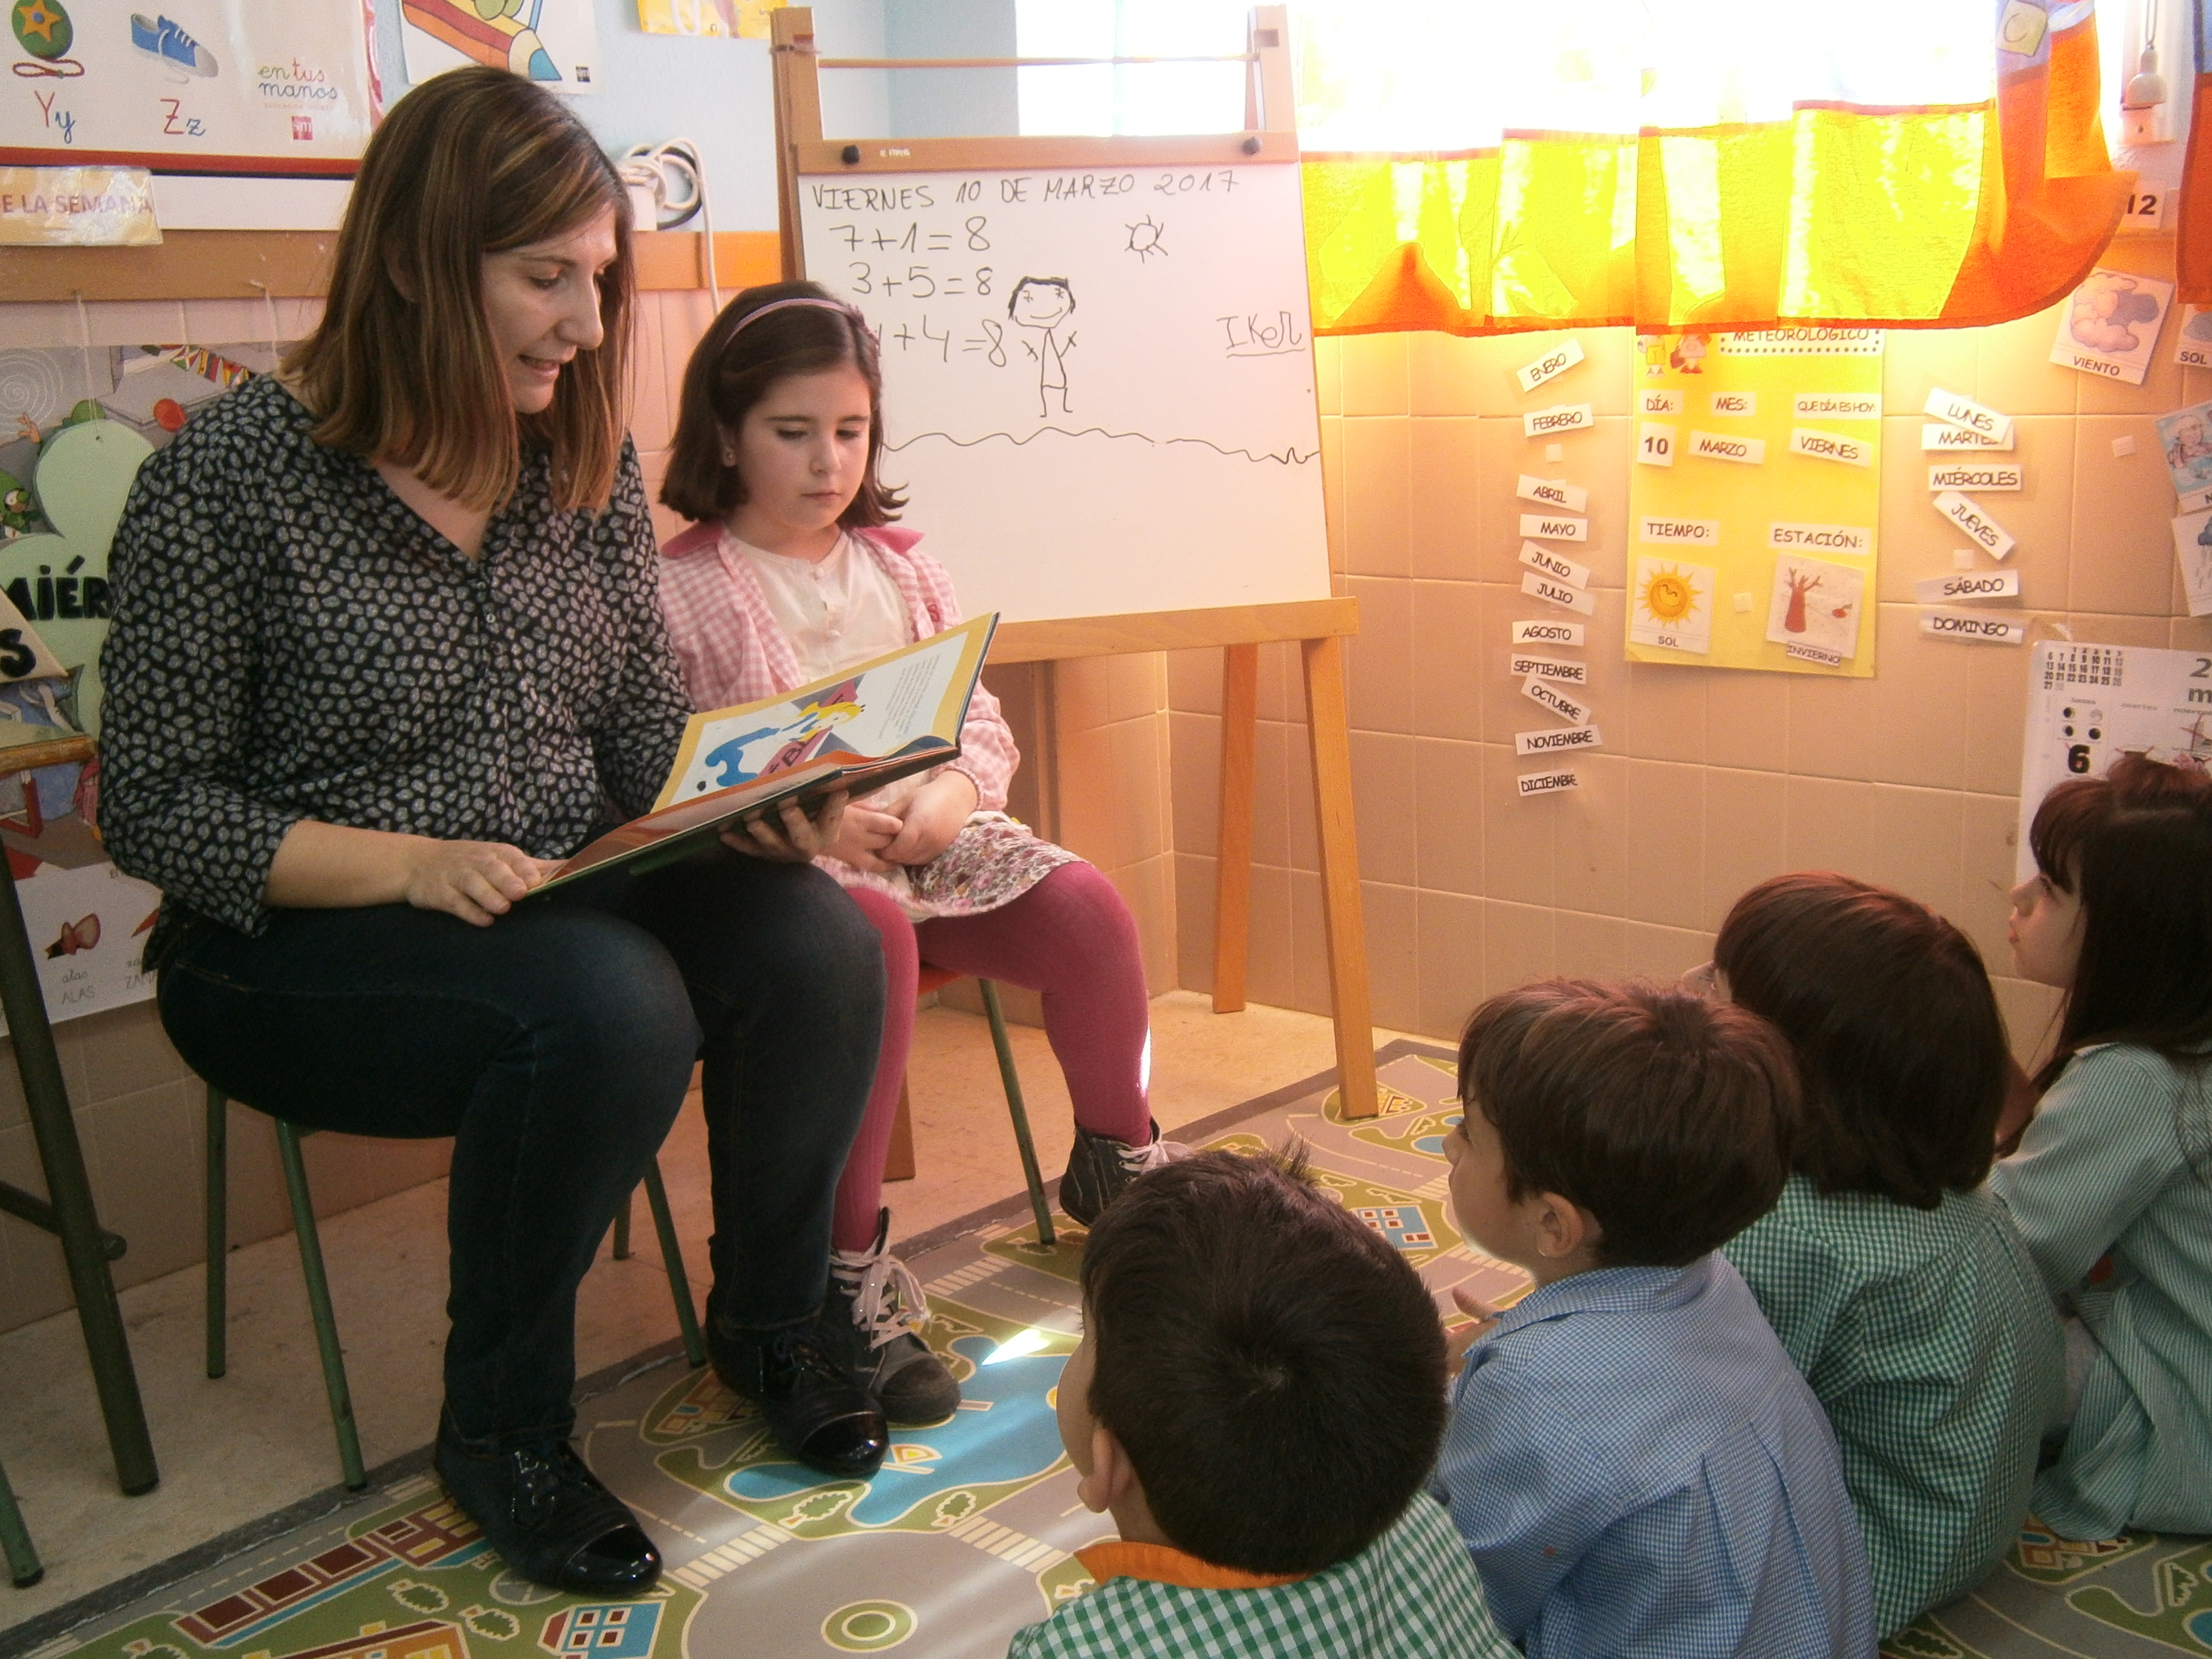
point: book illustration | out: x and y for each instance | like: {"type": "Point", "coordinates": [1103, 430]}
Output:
{"type": "Point", "coordinates": [770, 749]}
{"type": "Point", "coordinates": [887, 718]}
{"type": "Point", "coordinates": [900, 711]}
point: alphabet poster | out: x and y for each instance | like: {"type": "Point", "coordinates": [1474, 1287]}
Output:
{"type": "Point", "coordinates": [215, 86]}
{"type": "Point", "coordinates": [1755, 500]}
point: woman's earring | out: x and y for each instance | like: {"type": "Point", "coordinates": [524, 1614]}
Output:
{"type": "Point", "coordinates": [729, 458]}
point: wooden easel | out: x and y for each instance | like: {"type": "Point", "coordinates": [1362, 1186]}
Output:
{"type": "Point", "coordinates": [1319, 626]}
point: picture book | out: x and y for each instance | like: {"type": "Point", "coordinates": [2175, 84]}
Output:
{"type": "Point", "coordinates": [857, 731]}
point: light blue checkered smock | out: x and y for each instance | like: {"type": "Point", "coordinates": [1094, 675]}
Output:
{"type": "Point", "coordinates": [1640, 1473]}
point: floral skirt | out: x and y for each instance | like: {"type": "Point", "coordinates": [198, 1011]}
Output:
{"type": "Point", "coordinates": [993, 861]}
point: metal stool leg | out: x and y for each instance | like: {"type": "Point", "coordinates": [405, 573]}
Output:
{"type": "Point", "coordinates": [622, 1226]}
{"type": "Point", "coordinates": [218, 1232]}
{"type": "Point", "coordinates": [672, 1257]}
{"type": "Point", "coordinates": [1012, 1079]}
{"type": "Point", "coordinates": [69, 1193]}
{"type": "Point", "coordinates": [23, 1568]}
{"type": "Point", "coordinates": [319, 1304]}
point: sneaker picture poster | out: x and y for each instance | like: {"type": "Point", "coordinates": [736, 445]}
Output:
{"type": "Point", "coordinates": [218, 86]}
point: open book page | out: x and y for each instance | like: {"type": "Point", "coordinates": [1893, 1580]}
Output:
{"type": "Point", "coordinates": [888, 717]}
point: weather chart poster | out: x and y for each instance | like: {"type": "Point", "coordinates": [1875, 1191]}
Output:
{"type": "Point", "coordinates": [1754, 499]}
{"type": "Point", "coordinates": [228, 86]}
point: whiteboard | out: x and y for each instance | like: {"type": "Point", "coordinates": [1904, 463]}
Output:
{"type": "Point", "coordinates": [1098, 387]}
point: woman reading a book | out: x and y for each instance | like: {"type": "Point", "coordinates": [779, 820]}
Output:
{"type": "Point", "coordinates": [386, 647]}
{"type": "Point", "coordinates": [793, 572]}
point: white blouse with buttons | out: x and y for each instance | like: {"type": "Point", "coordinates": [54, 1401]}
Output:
{"type": "Point", "coordinates": [840, 610]}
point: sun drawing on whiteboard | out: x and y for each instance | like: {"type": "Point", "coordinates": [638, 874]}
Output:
{"type": "Point", "coordinates": [1667, 597]}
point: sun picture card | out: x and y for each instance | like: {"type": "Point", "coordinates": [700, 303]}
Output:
{"type": "Point", "coordinates": [1672, 605]}
{"type": "Point", "coordinates": [2109, 327]}
{"type": "Point", "coordinates": [1816, 605]}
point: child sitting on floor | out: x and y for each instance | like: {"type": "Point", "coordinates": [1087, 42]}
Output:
{"type": "Point", "coordinates": [1635, 1465]}
{"type": "Point", "coordinates": [1892, 1276]}
{"type": "Point", "coordinates": [2111, 1187]}
{"type": "Point", "coordinates": [1255, 1399]}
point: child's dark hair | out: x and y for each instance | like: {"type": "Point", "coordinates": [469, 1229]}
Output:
{"type": "Point", "coordinates": [732, 368]}
{"type": "Point", "coordinates": [2135, 846]}
{"type": "Point", "coordinates": [1669, 1118]}
{"type": "Point", "coordinates": [1273, 1369]}
{"type": "Point", "coordinates": [1900, 1047]}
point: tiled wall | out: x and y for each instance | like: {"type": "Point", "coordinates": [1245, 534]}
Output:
{"type": "Point", "coordinates": [1711, 779]}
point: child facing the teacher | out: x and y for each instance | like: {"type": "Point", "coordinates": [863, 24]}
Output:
{"type": "Point", "coordinates": [793, 571]}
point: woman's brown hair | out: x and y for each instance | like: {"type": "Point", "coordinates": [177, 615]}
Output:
{"type": "Point", "coordinates": [1900, 1044]}
{"type": "Point", "coordinates": [402, 365]}
{"type": "Point", "coordinates": [732, 368]}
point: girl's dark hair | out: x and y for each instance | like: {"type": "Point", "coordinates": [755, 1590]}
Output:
{"type": "Point", "coordinates": [1900, 1047]}
{"type": "Point", "coordinates": [403, 364]}
{"type": "Point", "coordinates": [730, 371]}
{"type": "Point", "coordinates": [2135, 846]}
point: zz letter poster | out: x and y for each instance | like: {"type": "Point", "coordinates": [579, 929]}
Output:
{"type": "Point", "coordinates": [207, 86]}
{"type": "Point", "coordinates": [1754, 498]}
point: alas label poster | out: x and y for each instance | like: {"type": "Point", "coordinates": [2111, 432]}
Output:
{"type": "Point", "coordinates": [1754, 499]}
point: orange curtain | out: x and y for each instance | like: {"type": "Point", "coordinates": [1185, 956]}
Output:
{"type": "Point", "coordinates": [1934, 216]}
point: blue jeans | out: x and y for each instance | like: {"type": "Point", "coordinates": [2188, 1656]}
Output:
{"type": "Point", "coordinates": [555, 1047]}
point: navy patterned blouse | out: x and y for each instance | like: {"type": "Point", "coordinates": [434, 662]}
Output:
{"type": "Point", "coordinates": [291, 641]}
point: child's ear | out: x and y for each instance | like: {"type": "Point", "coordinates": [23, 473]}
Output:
{"type": "Point", "coordinates": [1563, 1227]}
{"type": "Point", "coordinates": [1112, 1476]}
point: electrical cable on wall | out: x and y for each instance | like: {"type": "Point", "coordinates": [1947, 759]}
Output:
{"type": "Point", "coordinates": [671, 177]}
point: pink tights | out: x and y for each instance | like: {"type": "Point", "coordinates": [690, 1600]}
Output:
{"type": "Point", "coordinates": [1070, 938]}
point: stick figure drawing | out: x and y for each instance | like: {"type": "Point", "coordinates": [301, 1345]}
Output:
{"type": "Point", "coordinates": [1042, 304]}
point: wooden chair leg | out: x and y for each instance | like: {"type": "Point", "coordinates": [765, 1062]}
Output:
{"type": "Point", "coordinates": [319, 1304]}
{"type": "Point", "coordinates": [671, 1258]}
{"type": "Point", "coordinates": [218, 1232]}
{"type": "Point", "coordinates": [1012, 1080]}
{"type": "Point", "coordinates": [898, 1156]}
{"type": "Point", "coordinates": [23, 1568]}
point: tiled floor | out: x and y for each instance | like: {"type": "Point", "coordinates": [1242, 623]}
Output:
{"type": "Point", "coordinates": [259, 1439]}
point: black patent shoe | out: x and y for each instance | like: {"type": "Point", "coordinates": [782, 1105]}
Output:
{"type": "Point", "coordinates": [549, 1516]}
{"type": "Point", "coordinates": [814, 1409]}
{"type": "Point", "coordinates": [1101, 1168]}
{"type": "Point", "coordinates": [873, 1319]}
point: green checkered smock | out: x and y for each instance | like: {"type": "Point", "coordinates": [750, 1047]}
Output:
{"type": "Point", "coordinates": [1931, 1344]}
{"type": "Point", "coordinates": [1412, 1594]}
{"type": "Point", "coordinates": [2104, 1194]}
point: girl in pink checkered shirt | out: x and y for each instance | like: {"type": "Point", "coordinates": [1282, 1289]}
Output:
{"type": "Point", "coordinates": [792, 571]}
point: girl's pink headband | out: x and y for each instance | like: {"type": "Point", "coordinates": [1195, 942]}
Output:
{"type": "Point", "coordinates": [838, 305]}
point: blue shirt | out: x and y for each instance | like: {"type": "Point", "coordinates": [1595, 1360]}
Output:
{"type": "Point", "coordinates": [1638, 1470]}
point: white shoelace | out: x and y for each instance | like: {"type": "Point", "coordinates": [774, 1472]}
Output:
{"type": "Point", "coordinates": [1137, 1159]}
{"type": "Point", "coordinates": [888, 1302]}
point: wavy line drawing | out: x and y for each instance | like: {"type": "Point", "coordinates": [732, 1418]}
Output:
{"type": "Point", "coordinates": [1285, 457]}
